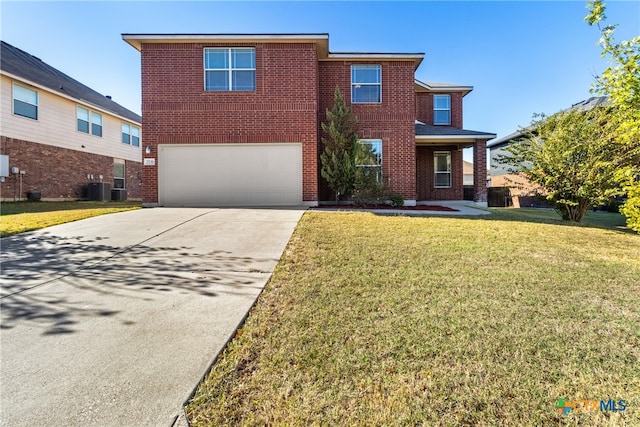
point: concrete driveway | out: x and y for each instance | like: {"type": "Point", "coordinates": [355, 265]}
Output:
{"type": "Point", "coordinates": [113, 320]}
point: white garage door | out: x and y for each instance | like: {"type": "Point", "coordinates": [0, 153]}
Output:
{"type": "Point", "coordinates": [230, 174]}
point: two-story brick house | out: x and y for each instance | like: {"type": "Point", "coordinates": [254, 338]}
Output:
{"type": "Point", "coordinates": [235, 120]}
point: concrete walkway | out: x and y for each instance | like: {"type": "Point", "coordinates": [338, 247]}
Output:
{"type": "Point", "coordinates": [462, 208]}
{"type": "Point", "coordinates": [112, 321]}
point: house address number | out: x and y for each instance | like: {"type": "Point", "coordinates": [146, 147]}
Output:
{"type": "Point", "coordinates": [149, 162]}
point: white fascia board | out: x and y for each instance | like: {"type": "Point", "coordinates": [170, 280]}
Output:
{"type": "Point", "coordinates": [390, 56]}
{"type": "Point", "coordinates": [70, 98]}
{"type": "Point", "coordinates": [136, 40]}
{"type": "Point", "coordinates": [459, 137]}
{"type": "Point", "coordinates": [450, 88]}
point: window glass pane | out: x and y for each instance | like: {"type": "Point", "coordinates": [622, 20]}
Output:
{"type": "Point", "coordinates": [365, 74]}
{"type": "Point", "coordinates": [442, 162]}
{"type": "Point", "coordinates": [125, 134]}
{"type": "Point", "coordinates": [216, 58]}
{"type": "Point", "coordinates": [217, 80]}
{"type": "Point", "coordinates": [83, 114]}
{"type": "Point", "coordinates": [118, 170]}
{"type": "Point", "coordinates": [25, 110]}
{"type": "Point", "coordinates": [96, 118]}
{"type": "Point", "coordinates": [366, 93]}
{"type": "Point", "coordinates": [25, 95]}
{"type": "Point", "coordinates": [441, 117]}
{"type": "Point", "coordinates": [244, 80]}
{"type": "Point", "coordinates": [369, 153]}
{"type": "Point", "coordinates": [243, 58]}
{"type": "Point", "coordinates": [96, 124]}
{"type": "Point", "coordinates": [135, 136]}
{"type": "Point", "coordinates": [441, 101]}
{"type": "Point", "coordinates": [443, 180]}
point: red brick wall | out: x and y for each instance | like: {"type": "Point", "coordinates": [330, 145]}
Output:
{"type": "Point", "coordinates": [424, 174]}
{"type": "Point", "coordinates": [59, 173]}
{"type": "Point", "coordinates": [480, 171]}
{"type": "Point", "coordinates": [392, 121]}
{"type": "Point", "coordinates": [283, 108]}
{"type": "Point", "coordinates": [424, 108]}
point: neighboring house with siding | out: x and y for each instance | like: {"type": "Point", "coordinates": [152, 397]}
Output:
{"type": "Point", "coordinates": [235, 119]}
{"type": "Point", "coordinates": [58, 135]}
{"type": "Point", "coordinates": [503, 176]}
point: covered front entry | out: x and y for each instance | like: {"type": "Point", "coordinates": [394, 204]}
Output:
{"type": "Point", "coordinates": [230, 174]}
{"type": "Point", "coordinates": [439, 174]}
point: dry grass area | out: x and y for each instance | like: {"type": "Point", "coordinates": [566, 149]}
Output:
{"type": "Point", "coordinates": [19, 217]}
{"type": "Point", "coordinates": [382, 320]}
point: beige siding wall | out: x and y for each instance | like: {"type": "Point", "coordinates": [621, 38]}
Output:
{"type": "Point", "coordinates": [56, 125]}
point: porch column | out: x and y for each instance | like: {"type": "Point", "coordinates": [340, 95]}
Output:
{"type": "Point", "coordinates": [480, 172]}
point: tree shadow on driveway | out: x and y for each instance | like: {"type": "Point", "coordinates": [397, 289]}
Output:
{"type": "Point", "coordinates": [45, 279]}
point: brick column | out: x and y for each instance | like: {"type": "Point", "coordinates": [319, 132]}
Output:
{"type": "Point", "coordinates": [480, 172]}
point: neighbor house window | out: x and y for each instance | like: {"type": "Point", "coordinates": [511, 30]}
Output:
{"type": "Point", "coordinates": [130, 135]}
{"type": "Point", "coordinates": [442, 169]}
{"type": "Point", "coordinates": [82, 116]}
{"type": "Point", "coordinates": [88, 120]}
{"type": "Point", "coordinates": [96, 124]}
{"type": "Point", "coordinates": [369, 158]}
{"type": "Point", "coordinates": [25, 102]}
{"type": "Point", "coordinates": [230, 69]}
{"type": "Point", "coordinates": [118, 174]}
{"type": "Point", "coordinates": [135, 136]}
{"type": "Point", "coordinates": [366, 84]}
{"type": "Point", "coordinates": [441, 109]}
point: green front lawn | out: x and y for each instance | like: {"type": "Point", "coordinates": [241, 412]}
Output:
{"type": "Point", "coordinates": [18, 217]}
{"type": "Point", "coordinates": [382, 320]}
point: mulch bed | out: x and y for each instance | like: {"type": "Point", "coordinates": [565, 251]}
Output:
{"type": "Point", "coordinates": [378, 207]}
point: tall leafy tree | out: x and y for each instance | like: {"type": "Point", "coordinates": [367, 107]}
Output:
{"type": "Point", "coordinates": [572, 156]}
{"type": "Point", "coordinates": [621, 83]}
{"type": "Point", "coordinates": [338, 165]}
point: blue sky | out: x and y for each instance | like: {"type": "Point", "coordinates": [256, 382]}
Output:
{"type": "Point", "coordinates": [521, 57]}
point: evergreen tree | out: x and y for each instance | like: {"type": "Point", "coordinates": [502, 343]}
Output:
{"type": "Point", "coordinates": [338, 158]}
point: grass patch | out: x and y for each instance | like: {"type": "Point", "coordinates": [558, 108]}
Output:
{"type": "Point", "coordinates": [383, 320]}
{"type": "Point", "coordinates": [19, 217]}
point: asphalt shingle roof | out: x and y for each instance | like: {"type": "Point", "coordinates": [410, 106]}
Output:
{"type": "Point", "coordinates": [431, 130]}
{"type": "Point", "coordinates": [22, 64]}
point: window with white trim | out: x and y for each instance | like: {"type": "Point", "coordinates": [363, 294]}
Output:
{"type": "Point", "coordinates": [369, 157]}
{"type": "Point", "coordinates": [118, 173]}
{"type": "Point", "coordinates": [25, 102]}
{"type": "Point", "coordinates": [96, 124]}
{"type": "Point", "coordinates": [88, 121]}
{"type": "Point", "coordinates": [442, 169]}
{"type": "Point", "coordinates": [82, 117]}
{"type": "Point", "coordinates": [130, 135]}
{"type": "Point", "coordinates": [366, 84]}
{"type": "Point", "coordinates": [441, 109]}
{"type": "Point", "coordinates": [230, 69]}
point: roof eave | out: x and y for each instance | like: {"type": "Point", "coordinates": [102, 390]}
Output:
{"type": "Point", "coordinates": [425, 87]}
{"type": "Point", "coordinates": [136, 40]}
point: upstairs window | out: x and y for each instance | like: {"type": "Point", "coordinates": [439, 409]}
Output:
{"type": "Point", "coordinates": [25, 102]}
{"type": "Point", "coordinates": [369, 158]}
{"type": "Point", "coordinates": [230, 69]}
{"type": "Point", "coordinates": [441, 109]}
{"type": "Point", "coordinates": [442, 169]}
{"type": "Point", "coordinates": [96, 124]}
{"type": "Point", "coordinates": [366, 84]}
{"type": "Point", "coordinates": [82, 116]}
{"type": "Point", "coordinates": [88, 121]}
{"type": "Point", "coordinates": [130, 135]}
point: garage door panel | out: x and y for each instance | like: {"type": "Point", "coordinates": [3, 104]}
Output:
{"type": "Point", "coordinates": [230, 174]}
